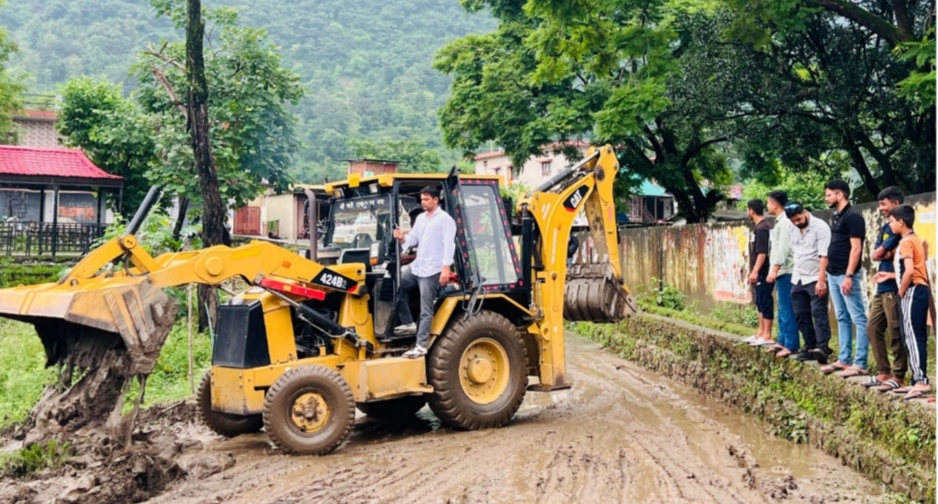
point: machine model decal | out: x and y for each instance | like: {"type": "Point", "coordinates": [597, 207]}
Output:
{"type": "Point", "coordinates": [333, 280]}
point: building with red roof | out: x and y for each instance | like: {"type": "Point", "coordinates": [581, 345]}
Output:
{"type": "Point", "coordinates": [51, 200]}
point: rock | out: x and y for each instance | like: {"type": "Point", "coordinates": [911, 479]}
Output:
{"type": "Point", "coordinates": [202, 465]}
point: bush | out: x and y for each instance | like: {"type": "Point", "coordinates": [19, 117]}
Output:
{"type": "Point", "coordinates": [34, 458]}
{"type": "Point", "coordinates": [666, 296]}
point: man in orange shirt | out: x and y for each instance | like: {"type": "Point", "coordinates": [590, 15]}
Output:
{"type": "Point", "coordinates": [916, 297]}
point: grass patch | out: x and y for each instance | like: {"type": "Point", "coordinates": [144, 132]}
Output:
{"type": "Point", "coordinates": [23, 374]}
{"type": "Point", "coordinates": [35, 458]}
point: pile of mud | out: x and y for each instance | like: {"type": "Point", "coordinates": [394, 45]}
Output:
{"type": "Point", "coordinates": [167, 444]}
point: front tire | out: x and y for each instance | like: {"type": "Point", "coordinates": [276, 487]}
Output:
{"type": "Point", "coordinates": [478, 370]}
{"type": "Point", "coordinates": [225, 424]}
{"type": "Point", "coordinates": [309, 410]}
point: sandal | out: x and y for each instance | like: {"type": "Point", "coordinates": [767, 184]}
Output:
{"type": "Point", "coordinates": [874, 381]}
{"type": "Point", "coordinates": [889, 385]}
{"type": "Point", "coordinates": [902, 390]}
{"type": "Point", "coordinates": [774, 348]}
{"type": "Point", "coordinates": [852, 371]}
{"type": "Point", "coordinates": [916, 393]}
{"type": "Point", "coordinates": [784, 353]}
{"type": "Point", "coordinates": [837, 366]}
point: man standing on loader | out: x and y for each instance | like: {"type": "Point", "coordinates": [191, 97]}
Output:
{"type": "Point", "coordinates": [434, 234]}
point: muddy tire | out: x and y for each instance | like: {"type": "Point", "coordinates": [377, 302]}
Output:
{"type": "Point", "coordinates": [478, 370]}
{"type": "Point", "coordinates": [309, 410]}
{"type": "Point", "coordinates": [396, 410]}
{"type": "Point", "coordinates": [225, 424]}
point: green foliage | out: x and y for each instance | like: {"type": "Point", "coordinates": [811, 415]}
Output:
{"type": "Point", "coordinates": [919, 87]}
{"type": "Point", "coordinates": [13, 273]}
{"type": "Point", "coordinates": [145, 137]}
{"type": "Point", "coordinates": [806, 188]}
{"type": "Point", "coordinates": [634, 74]}
{"type": "Point", "coordinates": [35, 458]}
{"type": "Point", "coordinates": [156, 233]}
{"type": "Point", "coordinates": [23, 374]}
{"type": "Point", "coordinates": [11, 89]}
{"type": "Point", "coordinates": [365, 65]}
{"type": "Point", "coordinates": [833, 88]}
{"type": "Point", "coordinates": [412, 155]}
{"type": "Point", "coordinates": [113, 131]}
{"type": "Point", "coordinates": [666, 295]}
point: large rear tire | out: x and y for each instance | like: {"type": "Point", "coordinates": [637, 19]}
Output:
{"type": "Point", "coordinates": [396, 410]}
{"type": "Point", "coordinates": [309, 410]}
{"type": "Point", "coordinates": [225, 424]}
{"type": "Point", "coordinates": [478, 370]}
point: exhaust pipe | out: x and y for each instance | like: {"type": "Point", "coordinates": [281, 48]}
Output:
{"type": "Point", "coordinates": [313, 215]}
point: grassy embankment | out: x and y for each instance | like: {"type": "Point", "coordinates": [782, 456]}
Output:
{"type": "Point", "coordinates": [877, 434]}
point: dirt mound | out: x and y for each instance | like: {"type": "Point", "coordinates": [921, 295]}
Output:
{"type": "Point", "coordinates": [168, 445]}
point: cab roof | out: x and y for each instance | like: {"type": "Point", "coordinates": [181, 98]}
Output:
{"type": "Point", "coordinates": [388, 179]}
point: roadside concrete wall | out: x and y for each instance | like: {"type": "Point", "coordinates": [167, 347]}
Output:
{"type": "Point", "coordinates": [710, 262]}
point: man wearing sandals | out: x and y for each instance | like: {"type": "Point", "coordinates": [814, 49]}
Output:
{"type": "Point", "coordinates": [916, 298]}
{"type": "Point", "coordinates": [809, 237]}
{"type": "Point", "coordinates": [848, 230]}
{"type": "Point", "coordinates": [883, 326]}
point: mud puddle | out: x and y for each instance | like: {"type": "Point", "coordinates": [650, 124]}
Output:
{"type": "Point", "coordinates": [621, 434]}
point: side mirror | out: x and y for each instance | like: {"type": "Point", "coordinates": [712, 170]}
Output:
{"type": "Point", "coordinates": [303, 252]}
{"type": "Point", "coordinates": [376, 254]}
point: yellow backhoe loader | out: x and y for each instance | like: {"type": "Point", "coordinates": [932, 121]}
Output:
{"type": "Point", "coordinates": [312, 337]}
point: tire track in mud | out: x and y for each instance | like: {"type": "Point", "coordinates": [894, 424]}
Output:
{"type": "Point", "coordinates": [619, 435]}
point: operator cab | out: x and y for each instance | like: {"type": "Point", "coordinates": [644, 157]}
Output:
{"type": "Point", "coordinates": [360, 230]}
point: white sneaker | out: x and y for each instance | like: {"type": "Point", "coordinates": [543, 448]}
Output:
{"type": "Point", "coordinates": [752, 339]}
{"type": "Point", "coordinates": [401, 330]}
{"type": "Point", "coordinates": [417, 351]}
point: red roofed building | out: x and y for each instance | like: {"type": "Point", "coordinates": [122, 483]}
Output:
{"type": "Point", "coordinates": [51, 200]}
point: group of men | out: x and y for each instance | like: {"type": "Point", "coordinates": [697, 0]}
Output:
{"type": "Point", "coordinates": [807, 262]}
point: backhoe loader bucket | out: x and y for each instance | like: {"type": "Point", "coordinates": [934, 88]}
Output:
{"type": "Point", "coordinates": [79, 323]}
{"type": "Point", "coordinates": [592, 294]}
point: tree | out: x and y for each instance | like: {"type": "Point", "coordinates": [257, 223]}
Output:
{"type": "Point", "coordinates": [610, 71]}
{"type": "Point", "coordinates": [11, 90]}
{"type": "Point", "coordinates": [854, 78]}
{"type": "Point", "coordinates": [113, 131]}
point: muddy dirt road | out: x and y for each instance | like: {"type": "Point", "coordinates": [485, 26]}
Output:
{"type": "Point", "coordinates": [620, 435]}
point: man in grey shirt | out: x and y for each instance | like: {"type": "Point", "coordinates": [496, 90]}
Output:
{"type": "Point", "coordinates": [809, 238]}
{"type": "Point", "coordinates": [434, 234]}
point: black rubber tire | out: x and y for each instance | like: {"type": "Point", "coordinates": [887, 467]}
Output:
{"type": "Point", "coordinates": [225, 424]}
{"type": "Point", "coordinates": [396, 410]}
{"type": "Point", "coordinates": [449, 401]}
{"type": "Point", "coordinates": [278, 406]}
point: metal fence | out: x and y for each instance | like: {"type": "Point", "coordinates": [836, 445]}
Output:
{"type": "Point", "coordinates": [38, 238]}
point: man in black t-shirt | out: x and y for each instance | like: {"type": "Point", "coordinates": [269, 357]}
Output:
{"type": "Point", "coordinates": [759, 270]}
{"type": "Point", "coordinates": [848, 230]}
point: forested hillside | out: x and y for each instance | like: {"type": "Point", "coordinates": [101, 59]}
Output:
{"type": "Point", "coordinates": [366, 64]}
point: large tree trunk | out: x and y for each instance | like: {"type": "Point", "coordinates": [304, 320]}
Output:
{"type": "Point", "coordinates": [213, 209]}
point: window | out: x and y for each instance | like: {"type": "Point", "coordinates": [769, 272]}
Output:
{"type": "Point", "coordinates": [545, 168]}
{"type": "Point", "coordinates": [498, 170]}
{"type": "Point", "coordinates": [488, 235]}
{"type": "Point", "coordinates": [485, 165]}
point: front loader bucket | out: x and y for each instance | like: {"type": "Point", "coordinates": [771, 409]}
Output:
{"type": "Point", "coordinates": [592, 294]}
{"type": "Point", "coordinates": [78, 324]}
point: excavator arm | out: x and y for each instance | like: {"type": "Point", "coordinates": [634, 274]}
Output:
{"type": "Point", "coordinates": [78, 317]}
{"type": "Point", "coordinates": [593, 292]}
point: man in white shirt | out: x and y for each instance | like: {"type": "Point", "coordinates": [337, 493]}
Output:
{"type": "Point", "coordinates": [434, 235]}
{"type": "Point", "coordinates": [809, 238]}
